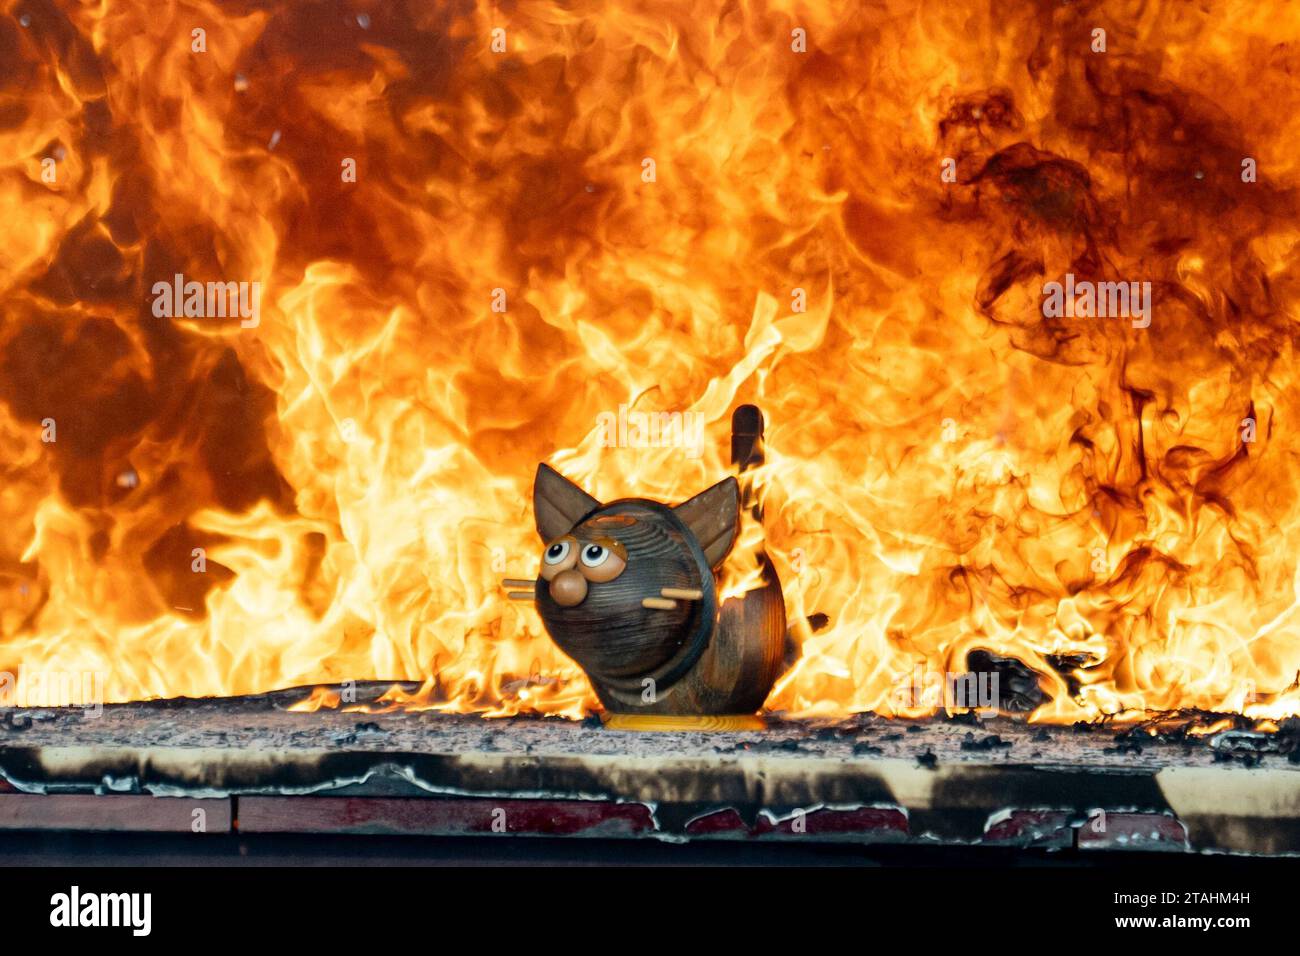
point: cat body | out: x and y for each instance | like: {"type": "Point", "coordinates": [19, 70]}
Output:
{"type": "Point", "coordinates": [628, 589]}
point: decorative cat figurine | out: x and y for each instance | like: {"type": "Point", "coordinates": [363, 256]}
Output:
{"type": "Point", "coordinates": [628, 590]}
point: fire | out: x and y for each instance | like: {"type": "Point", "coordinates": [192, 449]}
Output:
{"type": "Point", "coordinates": [476, 232]}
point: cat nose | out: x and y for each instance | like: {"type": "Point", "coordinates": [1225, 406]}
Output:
{"type": "Point", "coordinates": [568, 588]}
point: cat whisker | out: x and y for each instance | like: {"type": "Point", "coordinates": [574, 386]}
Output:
{"type": "Point", "coordinates": [518, 583]}
{"type": "Point", "coordinates": [658, 604]}
{"type": "Point", "coordinates": [683, 594]}
{"type": "Point", "coordinates": [521, 595]}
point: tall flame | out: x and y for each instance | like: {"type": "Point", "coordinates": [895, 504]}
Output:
{"type": "Point", "coordinates": [564, 213]}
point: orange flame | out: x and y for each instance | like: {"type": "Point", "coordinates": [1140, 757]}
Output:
{"type": "Point", "coordinates": [481, 233]}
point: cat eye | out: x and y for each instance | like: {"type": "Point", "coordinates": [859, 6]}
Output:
{"type": "Point", "coordinates": [558, 556]}
{"type": "Point", "coordinates": [603, 561]}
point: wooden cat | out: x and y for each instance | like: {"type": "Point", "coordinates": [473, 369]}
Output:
{"type": "Point", "coordinates": [629, 591]}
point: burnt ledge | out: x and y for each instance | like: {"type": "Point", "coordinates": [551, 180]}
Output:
{"type": "Point", "coordinates": [950, 781]}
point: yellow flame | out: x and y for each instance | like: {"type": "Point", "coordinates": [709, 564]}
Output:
{"type": "Point", "coordinates": [635, 205]}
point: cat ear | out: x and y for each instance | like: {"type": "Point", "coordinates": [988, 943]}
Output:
{"type": "Point", "coordinates": [713, 517]}
{"type": "Point", "coordinates": [558, 504]}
